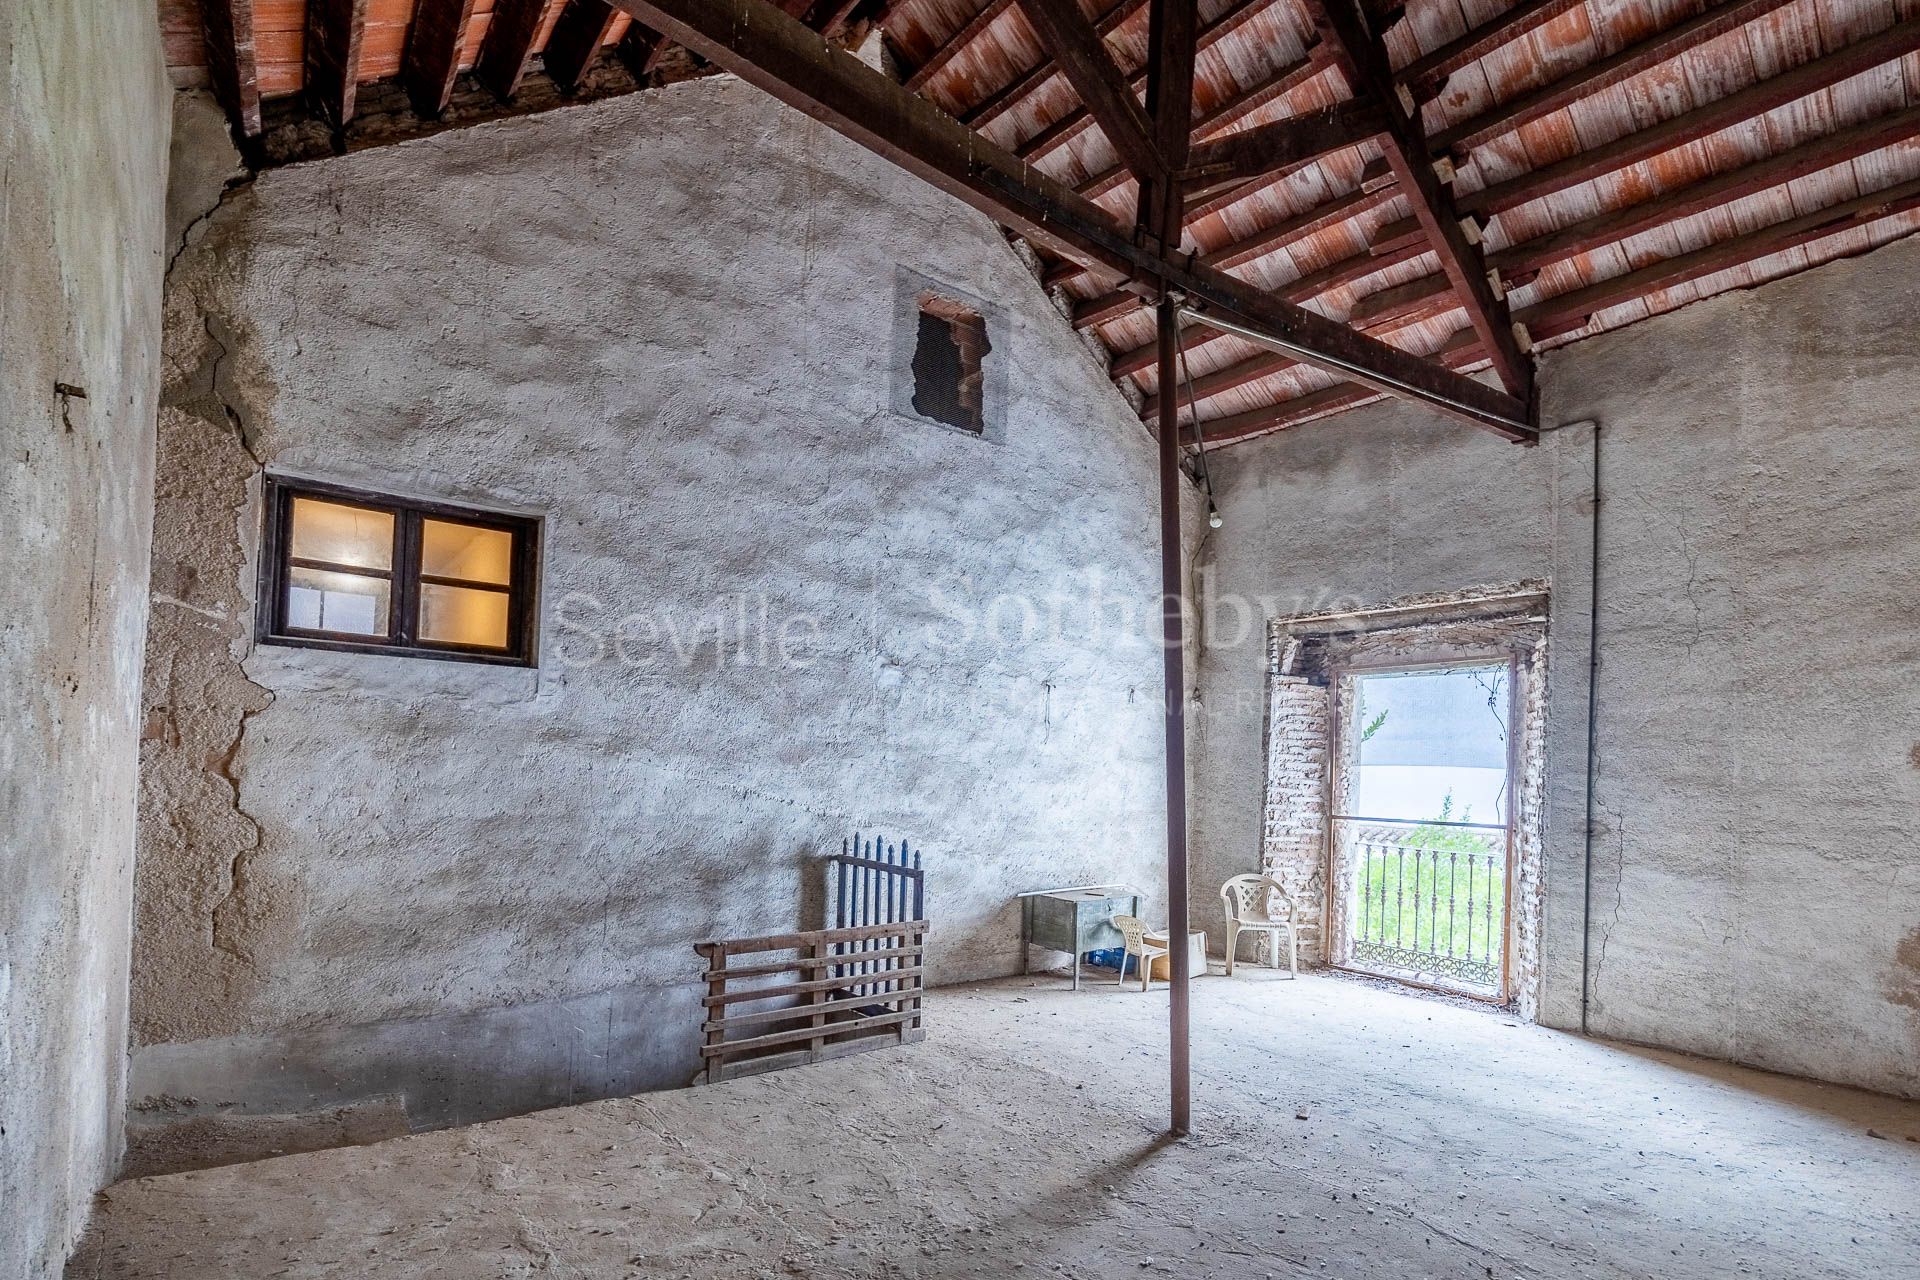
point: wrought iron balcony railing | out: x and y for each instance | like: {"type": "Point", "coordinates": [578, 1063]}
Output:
{"type": "Point", "coordinates": [1428, 899]}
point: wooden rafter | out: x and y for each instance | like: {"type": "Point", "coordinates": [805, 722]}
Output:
{"type": "Point", "coordinates": [1519, 264]}
{"type": "Point", "coordinates": [1364, 58]}
{"type": "Point", "coordinates": [1332, 276]}
{"type": "Point", "coordinates": [1624, 65]}
{"type": "Point", "coordinates": [958, 43]}
{"type": "Point", "coordinates": [1269, 150]}
{"type": "Point", "coordinates": [335, 34]}
{"type": "Point", "coordinates": [1172, 38]}
{"type": "Point", "coordinates": [233, 64]}
{"type": "Point", "coordinates": [781, 56]}
{"type": "Point", "coordinates": [432, 57]}
{"type": "Point", "coordinates": [641, 49]}
{"type": "Point", "coordinates": [1557, 317]}
{"type": "Point", "coordinates": [1070, 125]}
{"type": "Point", "coordinates": [1211, 125]}
{"type": "Point", "coordinates": [1678, 131]}
{"type": "Point", "coordinates": [577, 37]}
{"type": "Point", "coordinates": [1346, 271]}
{"type": "Point", "coordinates": [509, 44]}
{"type": "Point", "coordinates": [1084, 59]}
{"type": "Point", "coordinates": [1568, 312]}
{"type": "Point", "coordinates": [1013, 94]}
{"type": "Point", "coordinates": [1427, 75]}
{"type": "Point", "coordinates": [1433, 294]}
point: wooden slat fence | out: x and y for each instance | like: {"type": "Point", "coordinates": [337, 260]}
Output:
{"type": "Point", "coordinates": [745, 1032]}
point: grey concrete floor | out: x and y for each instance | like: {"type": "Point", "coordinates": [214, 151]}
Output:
{"type": "Point", "coordinates": [1341, 1130]}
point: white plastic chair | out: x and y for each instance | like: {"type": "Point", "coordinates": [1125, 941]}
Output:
{"type": "Point", "coordinates": [1133, 934]}
{"type": "Point", "coordinates": [1250, 902]}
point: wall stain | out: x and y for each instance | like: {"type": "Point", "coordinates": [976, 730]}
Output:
{"type": "Point", "coordinates": [1903, 981]}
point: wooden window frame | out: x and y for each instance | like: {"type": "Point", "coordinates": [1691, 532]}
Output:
{"type": "Point", "coordinates": [405, 577]}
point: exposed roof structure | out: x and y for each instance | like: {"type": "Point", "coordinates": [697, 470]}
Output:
{"type": "Point", "coordinates": [1611, 159]}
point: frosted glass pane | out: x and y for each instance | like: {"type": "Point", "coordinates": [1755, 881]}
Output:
{"type": "Point", "coordinates": [318, 600]}
{"type": "Point", "coordinates": [340, 534]}
{"type": "Point", "coordinates": [449, 550]}
{"type": "Point", "coordinates": [463, 615]}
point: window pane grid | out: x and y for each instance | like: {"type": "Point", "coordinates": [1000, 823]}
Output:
{"type": "Point", "coordinates": [411, 580]}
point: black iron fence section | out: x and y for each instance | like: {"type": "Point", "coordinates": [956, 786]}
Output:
{"type": "Point", "coordinates": [874, 883]}
{"type": "Point", "coordinates": [1429, 899]}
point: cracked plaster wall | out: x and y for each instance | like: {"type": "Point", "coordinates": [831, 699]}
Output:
{"type": "Point", "coordinates": [1756, 873]}
{"type": "Point", "coordinates": [379, 893]}
{"type": "Point", "coordinates": [83, 156]}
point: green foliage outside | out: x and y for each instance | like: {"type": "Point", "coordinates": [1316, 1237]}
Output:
{"type": "Point", "coordinates": [1405, 895]}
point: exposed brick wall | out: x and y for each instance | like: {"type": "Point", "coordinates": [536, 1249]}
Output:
{"type": "Point", "coordinates": [1294, 821]}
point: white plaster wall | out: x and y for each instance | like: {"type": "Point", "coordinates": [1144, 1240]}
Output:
{"type": "Point", "coordinates": [667, 324]}
{"type": "Point", "coordinates": [1756, 874]}
{"type": "Point", "coordinates": [83, 119]}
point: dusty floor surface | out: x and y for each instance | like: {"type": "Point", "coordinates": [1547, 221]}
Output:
{"type": "Point", "coordinates": [1341, 1130]}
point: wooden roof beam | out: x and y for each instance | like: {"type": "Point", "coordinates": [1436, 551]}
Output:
{"type": "Point", "coordinates": [1556, 316]}
{"type": "Point", "coordinates": [336, 31]}
{"type": "Point", "coordinates": [432, 56]}
{"type": "Point", "coordinates": [1246, 372]}
{"type": "Point", "coordinates": [1678, 131]}
{"type": "Point", "coordinates": [1520, 264]}
{"type": "Point", "coordinates": [756, 42]}
{"type": "Point", "coordinates": [1364, 58]}
{"type": "Point", "coordinates": [1084, 59]}
{"type": "Point", "coordinates": [1262, 243]}
{"type": "Point", "coordinates": [233, 64]}
{"type": "Point", "coordinates": [1069, 126]}
{"type": "Point", "coordinates": [1264, 152]}
{"type": "Point", "coordinates": [509, 45]}
{"type": "Point", "coordinates": [1012, 95]}
{"type": "Point", "coordinates": [641, 49]}
{"type": "Point", "coordinates": [1172, 42]}
{"type": "Point", "coordinates": [1221, 118]}
{"type": "Point", "coordinates": [575, 42]}
{"type": "Point", "coordinates": [1269, 239]}
{"type": "Point", "coordinates": [1357, 266]}
{"type": "Point", "coordinates": [1214, 433]}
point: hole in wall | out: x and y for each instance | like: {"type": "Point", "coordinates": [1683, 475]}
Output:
{"type": "Point", "coordinates": [949, 381]}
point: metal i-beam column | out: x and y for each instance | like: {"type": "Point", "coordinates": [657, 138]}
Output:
{"type": "Point", "coordinates": [1173, 591]}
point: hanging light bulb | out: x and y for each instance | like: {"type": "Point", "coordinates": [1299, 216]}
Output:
{"type": "Point", "coordinates": [1213, 515]}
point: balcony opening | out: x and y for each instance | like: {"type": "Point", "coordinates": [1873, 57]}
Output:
{"type": "Point", "coordinates": [1422, 829]}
